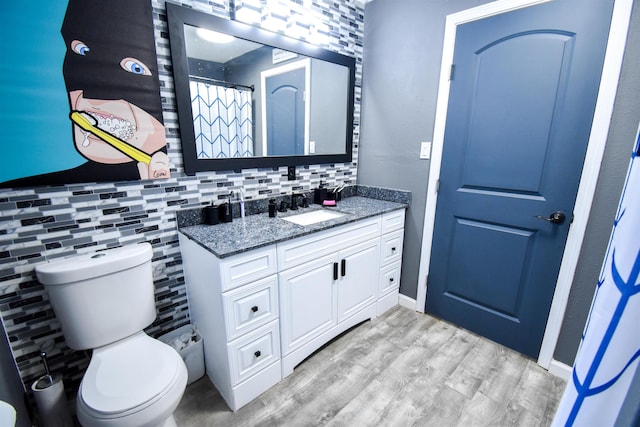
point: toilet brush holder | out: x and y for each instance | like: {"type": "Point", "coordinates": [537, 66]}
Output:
{"type": "Point", "coordinates": [48, 391]}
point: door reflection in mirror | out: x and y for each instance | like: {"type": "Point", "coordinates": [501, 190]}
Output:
{"type": "Point", "coordinates": [285, 109]}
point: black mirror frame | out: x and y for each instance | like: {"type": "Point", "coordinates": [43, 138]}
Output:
{"type": "Point", "coordinates": [177, 17]}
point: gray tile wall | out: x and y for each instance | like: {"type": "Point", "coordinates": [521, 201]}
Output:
{"type": "Point", "coordinates": [40, 224]}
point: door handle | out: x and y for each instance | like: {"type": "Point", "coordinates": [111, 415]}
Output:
{"type": "Point", "coordinates": [335, 271]}
{"type": "Point", "coordinates": [556, 217]}
{"type": "Point", "coordinates": [343, 267]}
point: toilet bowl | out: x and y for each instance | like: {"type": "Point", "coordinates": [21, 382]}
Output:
{"type": "Point", "coordinates": [104, 301]}
{"type": "Point", "coordinates": [140, 381]}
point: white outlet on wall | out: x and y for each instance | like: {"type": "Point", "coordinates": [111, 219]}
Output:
{"type": "Point", "coordinates": [312, 147]}
{"type": "Point", "coordinates": [425, 150]}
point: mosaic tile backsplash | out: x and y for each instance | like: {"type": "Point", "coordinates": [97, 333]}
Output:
{"type": "Point", "coordinates": [45, 223]}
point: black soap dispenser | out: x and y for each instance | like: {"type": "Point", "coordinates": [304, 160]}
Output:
{"type": "Point", "coordinates": [272, 208]}
{"type": "Point", "coordinates": [320, 194]}
{"type": "Point", "coordinates": [225, 212]}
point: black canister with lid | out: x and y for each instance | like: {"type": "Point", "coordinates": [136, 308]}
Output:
{"type": "Point", "coordinates": [225, 211]}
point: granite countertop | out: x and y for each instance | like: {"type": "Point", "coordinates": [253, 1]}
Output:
{"type": "Point", "coordinates": [255, 231]}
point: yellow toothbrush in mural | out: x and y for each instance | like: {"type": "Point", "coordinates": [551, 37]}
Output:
{"type": "Point", "coordinates": [83, 120]}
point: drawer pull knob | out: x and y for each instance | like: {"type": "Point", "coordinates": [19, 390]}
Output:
{"type": "Point", "coordinates": [254, 308]}
{"type": "Point", "coordinates": [257, 353]}
{"type": "Point", "coordinates": [393, 249]}
{"type": "Point", "coordinates": [391, 280]}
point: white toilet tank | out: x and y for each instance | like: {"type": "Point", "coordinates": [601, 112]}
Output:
{"type": "Point", "coordinates": [101, 297]}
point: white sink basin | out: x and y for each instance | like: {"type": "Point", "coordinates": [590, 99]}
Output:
{"type": "Point", "coordinates": [313, 217]}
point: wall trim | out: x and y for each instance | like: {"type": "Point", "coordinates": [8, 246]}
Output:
{"type": "Point", "coordinates": [560, 370]}
{"type": "Point", "coordinates": [591, 169]}
{"type": "Point", "coordinates": [406, 302]}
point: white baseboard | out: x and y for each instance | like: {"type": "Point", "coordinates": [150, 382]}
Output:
{"type": "Point", "coordinates": [561, 370]}
{"type": "Point", "coordinates": [406, 302]}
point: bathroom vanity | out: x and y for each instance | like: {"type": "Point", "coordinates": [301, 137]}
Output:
{"type": "Point", "coordinates": [265, 293]}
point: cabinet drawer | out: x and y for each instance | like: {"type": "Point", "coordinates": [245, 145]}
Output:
{"type": "Point", "coordinates": [316, 245]}
{"type": "Point", "coordinates": [389, 278]}
{"type": "Point", "coordinates": [253, 352]}
{"type": "Point", "coordinates": [247, 267]}
{"type": "Point", "coordinates": [391, 247]}
{"type": "Point", "coordinates": [250, 306]}
{"type": "Point", "coordinates": [392, 221]}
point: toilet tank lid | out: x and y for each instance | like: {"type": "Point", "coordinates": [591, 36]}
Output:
{"type": "Point", "coordinates": [93, 265]}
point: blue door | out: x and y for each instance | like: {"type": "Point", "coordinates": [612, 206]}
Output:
{"type": "Point", "coordinates": [521, 103]}
{"type": "Point", "coordinates": [285, 113]}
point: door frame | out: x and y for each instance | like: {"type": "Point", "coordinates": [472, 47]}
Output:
{"type": "Point", "coordinates": [264, 75]}
{"type": "Point", "coordinates": [591, 169]}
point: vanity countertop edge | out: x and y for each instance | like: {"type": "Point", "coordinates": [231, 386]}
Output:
{"type": "Point", "coordinates": [259, 230]}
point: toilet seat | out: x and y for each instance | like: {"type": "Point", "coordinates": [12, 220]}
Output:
{"type": "Point", "coordinates": [128, 376]}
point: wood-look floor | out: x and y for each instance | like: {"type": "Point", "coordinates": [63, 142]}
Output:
{"type": "Point", "coordinates": [401, 369]}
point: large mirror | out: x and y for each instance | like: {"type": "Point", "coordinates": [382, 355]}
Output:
{"type": "Point", "coordinates": [250, 98]}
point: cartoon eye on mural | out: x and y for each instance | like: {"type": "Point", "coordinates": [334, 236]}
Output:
{"type": "Point", "coordinates": [111, 78]}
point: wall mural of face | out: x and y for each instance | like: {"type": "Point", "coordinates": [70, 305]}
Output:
{"type": "Point", "coordinates": [111, 75]}
{"type": "Point", "coordinates": [103, 51]}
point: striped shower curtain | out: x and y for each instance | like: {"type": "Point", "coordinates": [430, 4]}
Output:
{"type": "Point", "coordinates": [608, 356]}
{"type": "Point", "coordinates": [222, 121]}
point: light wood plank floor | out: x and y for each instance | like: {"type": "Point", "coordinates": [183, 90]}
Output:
{"type": "Point", "coordinates": [401, 369]}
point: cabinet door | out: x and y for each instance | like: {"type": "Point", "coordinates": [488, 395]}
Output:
{"type": "Point", "coordinates": [307, 301]}
{"type": "Point", "coordinates": [358, 278]}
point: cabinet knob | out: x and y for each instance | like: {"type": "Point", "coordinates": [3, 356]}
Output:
{"type": "Point", "coordinates": [257, 353]}
{"type": "Point", "coordinates": [393, 249]}
{"type": "Point", "coordinates": [254, 308]}
{"type": "Point", "coordinates": [391, 279]}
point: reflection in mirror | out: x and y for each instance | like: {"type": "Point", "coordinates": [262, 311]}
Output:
{"type": "Point", "coordinates": [221, 106]}
{"type": "Point", "coordinates": [251, 98]}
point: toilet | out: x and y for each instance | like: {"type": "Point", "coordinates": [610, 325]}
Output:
{"type": "Point", "coordinates": [103, 301]}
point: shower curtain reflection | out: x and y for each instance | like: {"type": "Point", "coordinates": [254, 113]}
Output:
{"type": "Point", "coordinates": [222, 120]}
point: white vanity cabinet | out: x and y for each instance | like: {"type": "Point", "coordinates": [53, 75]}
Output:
{"type": "Point", "coordinates": [234, 304]}
{"type": "Point", "coordinates": [262, 312]}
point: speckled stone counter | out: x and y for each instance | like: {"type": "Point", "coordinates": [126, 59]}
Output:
{"type": "Point", "coordinates": [260, 230]}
